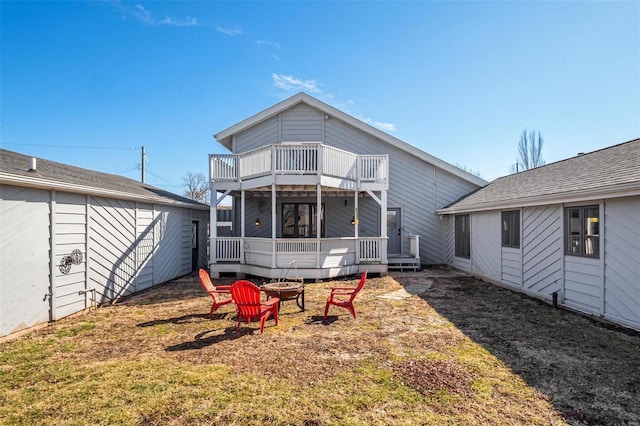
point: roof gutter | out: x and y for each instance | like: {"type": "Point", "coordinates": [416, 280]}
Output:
{"type": "Point", "coordinates": [615, 191]}
{"type": "Point", "coordinates": [40, 183]}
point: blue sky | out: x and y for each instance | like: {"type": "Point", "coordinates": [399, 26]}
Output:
{"type": "Point", "coordinates": [86, 82]}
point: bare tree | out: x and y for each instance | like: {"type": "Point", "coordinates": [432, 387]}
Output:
{"type": "Point", "coordinates": [529, 151]}
{"type": "Point", "coordinates": [196, 187]}
{"type": "Point", "coordinates": [468, 170]}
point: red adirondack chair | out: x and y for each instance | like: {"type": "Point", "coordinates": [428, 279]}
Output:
{"type": "Point", "coordinates": [246, 296]}
{"type": "Point", "coordinates": [214, 291]}
{"type": "Point", "coordinates": [343, 296]}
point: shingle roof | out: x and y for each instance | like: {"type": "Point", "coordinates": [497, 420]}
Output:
{"type": "Point", "coordinates": [14, 169]}
{"type": "Point", "coordinates": [601, 173]}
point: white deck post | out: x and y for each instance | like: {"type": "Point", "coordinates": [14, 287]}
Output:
{"type": "Point", "coordinates": [318, 223]}
{"type": "Point", "coordinates": [273, 225]}
{"type": "Point", "coordinates": [213, 227]}
{"type": "Point", "coordinates": [242, 207]}
{"type": "Point", "coordinates": [356, 225]}
{"type": "Point", "coordinates": [383, 227]}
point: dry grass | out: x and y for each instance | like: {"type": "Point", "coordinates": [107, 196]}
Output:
{"type": "Point", "coordinates": [463, 352]}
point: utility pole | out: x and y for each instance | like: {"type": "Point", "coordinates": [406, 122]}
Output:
{"type": "Point", "coordinates": [142, 164]}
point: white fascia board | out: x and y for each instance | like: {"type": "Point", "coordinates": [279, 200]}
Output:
{"type": "Point", "coordinates": [224, 137]}
{"type": "Point", "coordinates": [617, 191]}
{"type": "Point", "coordinates": [39, 183]}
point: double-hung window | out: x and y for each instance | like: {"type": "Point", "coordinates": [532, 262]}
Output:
{"type": "Point", "coordinates": [582, 231]}
{"type": "Point", "coordinates": [462, 236]}
{"type": "Point", "coordinates": [511, 229]}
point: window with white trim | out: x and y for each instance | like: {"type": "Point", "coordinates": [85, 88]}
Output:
{"type": "Point", "coordinates": [511, 229]}
{"type": "Point", "coordinates": [462, 236]}
{"type": "Point", "coordinates": [582, 231]}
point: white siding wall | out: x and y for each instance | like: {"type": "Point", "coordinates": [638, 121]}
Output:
{"type": "Point", "coordinates": [485, 244]}
{"type": "Point", "coordinates": [112, 234]}
{"type": "Point", "coordinates": [622, 261]}
{"type": "Point", "coordinates": [70, 214]}
{"type": "Point", "coordinates": [582, 283]}
{"type": "Point", "coordinates": [118, 241]}
{"type": "Point", "coordinates": [169, 233]}
{"type": "Point", "coordinates": [542, 250]}
{"type": "Point", "coordinates": [144, 246]}
{"type": "Point", "coordinates": [512, 266]}
{"type": "Point", "coordinates": [24, 258]}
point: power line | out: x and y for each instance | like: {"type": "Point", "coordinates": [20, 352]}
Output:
{"type": "Point", "coordinates": [164, 180]}
{"type": "Point", "coordinates": [69, 146]}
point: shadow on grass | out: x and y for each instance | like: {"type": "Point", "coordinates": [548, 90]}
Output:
{"type": "Point", "coordinates": [185, 319]}
{"type": "Point", "coordinates": [202, 340]}
{"type": "Point", "coordinates": [591, 372]}
{"type": "Point", "coordinates": [318, 319]}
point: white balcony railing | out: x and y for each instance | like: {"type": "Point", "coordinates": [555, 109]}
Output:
{"type": "Point", "coordinates": [306, 158]}
{"type": "Point", "coordinates": [309, 253]}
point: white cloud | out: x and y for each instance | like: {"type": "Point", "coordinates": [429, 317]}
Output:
{"type": "Point", "coordinates": [289, 83]}
{"type": "Point", "coordinates": [292, 84]}
{"type": "Point", "coordinates": [186, 22]}
{"type": "Point", "coordinates": [144, 16]}
{"type": "Point", "coordinates": [387, 127]}
{"type": "Point", "coordinates": [229, 31]}
{"type": "Point", "coordinates": [273, 44]}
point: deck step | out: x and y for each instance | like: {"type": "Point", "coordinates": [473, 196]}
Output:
{"type": "Point", "coordinates": [402, 263]}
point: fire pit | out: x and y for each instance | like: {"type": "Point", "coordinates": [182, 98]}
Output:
{"type": "Point", "coordinates": [286, 290]}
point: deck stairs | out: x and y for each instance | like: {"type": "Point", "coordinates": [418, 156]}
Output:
{"type": "Point", "coordinates": [403, 262]}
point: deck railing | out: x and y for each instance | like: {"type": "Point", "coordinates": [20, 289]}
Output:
{"type": "Point", "coordinates": [303, 158]}
{"type": "Point", "coordinates": [309, 253]}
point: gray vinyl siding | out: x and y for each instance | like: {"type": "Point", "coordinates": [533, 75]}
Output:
{"type": "Point", "coordinates": [265, 133]}
{"type": "Point", "coordinates": [24, 258]}
{"type": "Point", "coordinates": [622, 260]}
{"type": "Point", "coordinates": [542, 249]}
{"type": "Point", "coordinates": [202, 217]}
{"type": "Point", "coordinates": [449, 238]}
{"type": "Point", "coordinates": [417, 187]}
{"type": "Point", "coordinates": [337, 216]}
{"type": "Point", "coordinates": [70, 214]}
{"type": "Point", "coordinates": [485, 244]}
{"type": "Point", "coordinates": [302, 123]}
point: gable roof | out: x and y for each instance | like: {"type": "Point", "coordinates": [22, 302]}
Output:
{"type": "Point", "coordinates": [225, 136]}
{"type": "Point", "coordinates": [14, 170]}
{"type": "Point", "coordinates": [606, 173]}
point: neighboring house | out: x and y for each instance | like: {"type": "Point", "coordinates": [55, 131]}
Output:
{"type": "Point", "coordinates": [569, 229]}
{"type": "Point", "coordinates": [71, 238]}
{"type": "Point", "coordinates": [314, 185]}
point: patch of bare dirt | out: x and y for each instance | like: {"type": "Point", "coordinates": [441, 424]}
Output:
{"type": "Point", "coordinates": [431, 376]}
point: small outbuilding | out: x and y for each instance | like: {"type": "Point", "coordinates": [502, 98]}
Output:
{"type": "Point", "coordinates": [71, 238]}
{"type": "Point", "coordinates": [567, 232]}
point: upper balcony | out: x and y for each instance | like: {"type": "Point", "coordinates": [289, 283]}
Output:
{"type": "Point", "coordinates": [300, 164]}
